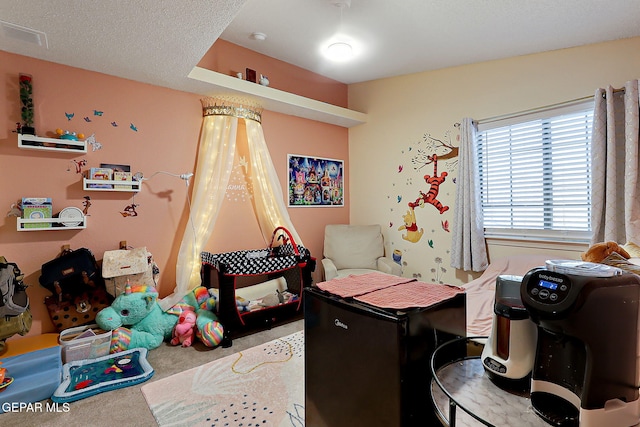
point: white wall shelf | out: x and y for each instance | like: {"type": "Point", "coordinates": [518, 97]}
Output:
{"type": "Point", "coordinates": [57, 224]}
{"type": "Point", "coordinates": [31, 142]}
{"type": "Point", "coordinates": [277, 100]}
{"type": "Point", "coordinates": [113, 185]}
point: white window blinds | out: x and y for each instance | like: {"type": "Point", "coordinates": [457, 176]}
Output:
{"type": "Point", "coordinates": [535, 172]}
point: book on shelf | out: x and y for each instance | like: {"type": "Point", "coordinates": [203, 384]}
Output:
{"type": "Point", "coordinates": [36, 208]}
{"type": "Point", "coordinates": [122, 176]}
{"type": "Point", "coordinates": [116, 167]}
{"type": "Point", "coordinates": [105, 174]}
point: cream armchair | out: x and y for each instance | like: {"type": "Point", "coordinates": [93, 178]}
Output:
{"type": "Point", "coordinates": [355, 249]}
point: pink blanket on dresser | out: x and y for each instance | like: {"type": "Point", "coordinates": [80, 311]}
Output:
{"type": "Point", "coordinates": [386, 291]}
{"type": "Point", "coordinates": [410, 294]}
{"type": "Point", "coordinates": [353, 285]}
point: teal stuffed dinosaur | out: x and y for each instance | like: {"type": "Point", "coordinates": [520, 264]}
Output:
{"type": "Point", "coordinates": [136, 319]}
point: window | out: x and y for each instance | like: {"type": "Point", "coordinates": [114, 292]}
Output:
{"type": "Point", "coordinates": [535, 174]}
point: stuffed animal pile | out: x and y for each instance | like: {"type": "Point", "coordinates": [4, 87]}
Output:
{"type": "Point", "coordinates": [136, 319]}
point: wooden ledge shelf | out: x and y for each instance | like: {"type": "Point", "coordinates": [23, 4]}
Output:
{"type": "Point", "coordinates": [56, 224]}
{"type": "Point", "coordinates": [278, 100]}
{"type": "Point", "coordinates": [32, 142]}
{"type": "Point", "coordinates": [114, 185]}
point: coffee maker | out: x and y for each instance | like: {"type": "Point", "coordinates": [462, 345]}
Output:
{"type": "Point", "coordinates": [586, 367]}
{"type": "Point", "coordinates": [508, 355]}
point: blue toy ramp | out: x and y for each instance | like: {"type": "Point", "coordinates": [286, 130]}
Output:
{"type": "Point", "coordinates": [36, 375]}
{"type": "Point", "coordinates": [84, 378]}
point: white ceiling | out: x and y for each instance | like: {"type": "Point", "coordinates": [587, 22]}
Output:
{"type": "Point", "coordinates": [160, 41]}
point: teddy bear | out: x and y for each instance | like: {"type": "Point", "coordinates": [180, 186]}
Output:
{"type": "Point", "coordinates": [184, 330]}
{"type": "Point", "coordinates": [136, 319]}
{"type": "Point", "coordinates": [599, 251]}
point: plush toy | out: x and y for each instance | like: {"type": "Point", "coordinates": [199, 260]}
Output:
{"type": "Point", "coordinates": [184, 330]}
{"type": "Point", "coordinates": [136, 319]}
{"type": "Point", "coordinates": [242, 305]}
{"type": "Point", "coordinates": [599, 251]}
{"type": "Point", "coordinates": [272, 300]}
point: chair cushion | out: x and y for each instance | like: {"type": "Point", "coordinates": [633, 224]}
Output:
{"type": "Point", "coordinates": [353, 246]}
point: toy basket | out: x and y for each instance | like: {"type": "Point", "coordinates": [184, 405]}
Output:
{"type": "Point", "coordinates": [288, 267]}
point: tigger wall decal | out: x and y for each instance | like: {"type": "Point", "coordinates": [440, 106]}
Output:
{"type": "Point", "coordinates": [431, 196]}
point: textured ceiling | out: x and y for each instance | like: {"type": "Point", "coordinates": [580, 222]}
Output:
{"type": "Point", "coordinates": [160, 41]}
{"type": "Point", "coordinates": [157, 42]}
{"type": "Point", "coordinates": [407, 36]}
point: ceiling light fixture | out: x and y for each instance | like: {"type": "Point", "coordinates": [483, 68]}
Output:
{"type": "Point", "coordinates": [339, 49]}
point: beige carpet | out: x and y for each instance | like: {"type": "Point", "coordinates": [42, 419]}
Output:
{"type": "Point", "coordinates": [127, 406]}
{"type": "Point", "coordinates": [261, 386]}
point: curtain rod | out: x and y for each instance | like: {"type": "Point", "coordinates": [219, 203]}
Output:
{"type": "Point", "coordinates": [538, 109]}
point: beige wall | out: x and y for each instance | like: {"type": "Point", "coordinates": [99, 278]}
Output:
{"type": "Point", "coordinates": [405, 111]}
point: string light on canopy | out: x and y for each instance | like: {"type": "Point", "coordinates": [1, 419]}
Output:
{"type": "Point", "coordinates": [218, 148]}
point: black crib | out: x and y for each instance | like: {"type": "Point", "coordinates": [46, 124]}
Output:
{"type": "Point", "coordinates": [230, 271]}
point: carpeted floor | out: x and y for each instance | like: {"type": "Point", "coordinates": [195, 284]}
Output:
{"type": "Point", "coordinates": [127, 406]}
{"type": "Point", "coordinates": [262, 386]}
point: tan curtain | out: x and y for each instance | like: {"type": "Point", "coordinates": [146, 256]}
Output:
{"type": "Point", "coordinates": [615, 209]}
{"type": "Point", "coordinates": [218, 148]}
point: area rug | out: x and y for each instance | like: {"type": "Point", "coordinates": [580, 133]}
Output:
{"type": "Point", "coordinates": [261, 386]}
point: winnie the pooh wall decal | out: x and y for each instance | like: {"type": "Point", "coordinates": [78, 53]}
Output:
{"type": "Point", "coordinates": [416, 230]}
{"type": "Point", "coordinates": [412, 234]}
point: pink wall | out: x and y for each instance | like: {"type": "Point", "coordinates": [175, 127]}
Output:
{"type": "Point", "coordinates": [228, 58]}
{"type": "Point", "coordinates": [168, 123]}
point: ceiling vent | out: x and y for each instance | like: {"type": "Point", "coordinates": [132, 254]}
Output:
{"type": "Point", "coordinates": [24, 34]}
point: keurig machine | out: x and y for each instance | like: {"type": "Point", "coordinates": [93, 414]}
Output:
{"type": "Point", "coordinates": [586, 369]}
{"type": "Point", "coordinates": [508, 355]}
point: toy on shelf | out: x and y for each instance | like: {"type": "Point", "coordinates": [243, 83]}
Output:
{"type": "Point", "coordinates": [71, 136]}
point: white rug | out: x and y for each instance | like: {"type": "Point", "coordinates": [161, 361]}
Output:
{"type": "Point", "coordinates": [262, 386]}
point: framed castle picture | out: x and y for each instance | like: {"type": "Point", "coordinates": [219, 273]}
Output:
{"type": "Point", "coordinates": [315, 181]}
